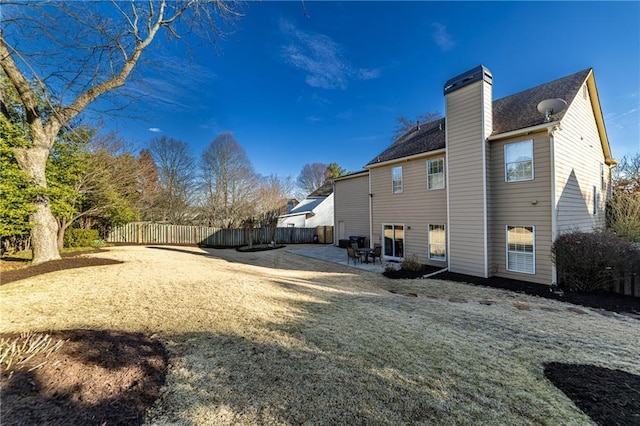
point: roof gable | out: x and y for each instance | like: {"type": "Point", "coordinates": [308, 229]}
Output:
{"type": "Point", "coordinates": [511, 113]}
{"type": "Point", "coordinates": [306, 206]}
{"type": "Point", "coordinates": [520, 110]}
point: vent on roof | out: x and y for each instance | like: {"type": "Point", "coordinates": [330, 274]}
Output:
{"type": "Point", "coordinates": [550, 107]}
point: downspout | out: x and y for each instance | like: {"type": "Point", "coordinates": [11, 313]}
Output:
{"type": "Point", "coordinates": [370, 210]}
{"type": "Point", "coordinates": [335, 222]}
{"type": "Point", "coordinates": [554, 222]}
{"type": "Point", "coordinates": [434, 273]}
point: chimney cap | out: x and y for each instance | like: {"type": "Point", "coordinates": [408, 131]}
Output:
{"type": "Point", "coordinates": [479, 73]}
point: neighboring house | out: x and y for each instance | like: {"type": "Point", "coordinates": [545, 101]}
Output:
{"type": "Point", "coordinates": [487, 189]}
{"type": "Point", "coordinates": [315, 210]}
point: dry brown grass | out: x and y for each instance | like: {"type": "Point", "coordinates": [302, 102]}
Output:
{"type": "Point", "coordinates": [274, 338]}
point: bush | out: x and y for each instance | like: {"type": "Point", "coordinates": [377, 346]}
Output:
{"type": "Point", "coordinates": [411, 264]}
{"type": "Point", "coordinates": [74, 237]}
{"type": "Point", "coordinates": [591, 261]}
{"type": "Point", "coordinates": [623, 216]}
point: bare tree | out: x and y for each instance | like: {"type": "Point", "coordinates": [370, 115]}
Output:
{"type": "Point", "coordinates": [228, 182]}
{"type": "Point", "coordinates": [175, 172]}
{"type": "Point", "coordinates": [85, 50]}
{"type": "Point", "coordinates": [149, 187]}
{"type": "Point", "coordinates": [405, 125]}
{"type": "Point", "coordinates": [311, 177]}
{"type": "Point", "coordinates": [626, 174]}
{"type": "Point", "coordinates": [272, 198]}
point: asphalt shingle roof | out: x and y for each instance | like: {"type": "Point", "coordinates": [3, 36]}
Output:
{"type": "Point", "coordinates": [520, 111]}
{"type": "Point", "coordinates": [514, 112]}
{"type": "Point", "coordinates": [325, 190]}
{"type": "Point", "coordinates": [429, 137]}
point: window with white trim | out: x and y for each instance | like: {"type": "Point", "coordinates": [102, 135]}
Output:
{"type": "Point", "coordinates": [518, 161]}
{"type": "Point", "coordinates": [393, 241]}
{"type": "Point", "coordinates": [435, 173]}
{"type": "Point", "coordinates": [603, 180]}
{"type": "Point", "coordinates": [396, 179]}
{"type": "Point", "coordinates": [521, 249]}
{"type": "Point", "coordinates": [437, 243]}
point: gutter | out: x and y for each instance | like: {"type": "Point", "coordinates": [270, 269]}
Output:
{"type": "Point", "coordinates": [407, 158]}
{"type": "Point", "coordinates": [525, 131]}
{"type": "Point", "coordinates": [435, 273]}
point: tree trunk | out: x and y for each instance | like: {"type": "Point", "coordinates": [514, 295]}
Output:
{"type": "Point", "coordinates": [44, 233]}
{"type": "Point", "coordinates": [62, 227]}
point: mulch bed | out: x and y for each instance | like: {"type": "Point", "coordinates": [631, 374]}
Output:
{"type": "Point", "coordinates": [259, 247]}
{"type": "Point", "coordinates": [68, 261]}
{"type": "Point", "coordinates": [96, 378]}
{"type": "Point", "coordinates": [609, 397]}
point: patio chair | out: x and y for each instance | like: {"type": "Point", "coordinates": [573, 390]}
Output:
{"type": "Point", "coordinates": [377, 252]}
{"type": "Point", "coordinates": [353, 255]}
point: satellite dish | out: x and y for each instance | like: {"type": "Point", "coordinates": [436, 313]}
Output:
{"type": "Point", "coordinates": [550, 107]}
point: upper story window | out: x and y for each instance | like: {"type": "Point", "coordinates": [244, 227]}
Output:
{"type": "Point", "coordinates": [435, 173]}
{"type": "Point", "coordinates": [518, 161]}
{"type": "Point", "coordinates": [603, 178]}
{"type": "Point", "coordinates": [396, 179]}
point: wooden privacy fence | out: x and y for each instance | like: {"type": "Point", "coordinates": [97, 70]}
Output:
{"type": "Point", "coordinates": [160, 233]}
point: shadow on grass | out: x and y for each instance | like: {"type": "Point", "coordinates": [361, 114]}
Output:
{"type": "Point", "coordinates": [609, 397]}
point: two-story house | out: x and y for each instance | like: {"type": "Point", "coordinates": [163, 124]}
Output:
{"type": "Point", "coordinates": [485, 190]}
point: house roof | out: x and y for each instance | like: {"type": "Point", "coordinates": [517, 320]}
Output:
{"type": "Point", "coordinates": [325, 190]}
{"type": "Point", "coordinates": [427, 137]}
{"type": "Point", "coordinates": [306, 206]}
{"type": "Point", "coordinates": [520, 110]}
{"type": "Point", "coordinates": [514, 112]}
{"type": "Point", "coordinates": [352, 175]}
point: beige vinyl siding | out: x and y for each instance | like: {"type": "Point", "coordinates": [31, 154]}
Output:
{"type": "Point", "coordinates": [351, 201]}
{"type": "Point", "coordinates": [524, 203]}
{"type": "Point", "coordinates": [578, 155]}
{"type": "Point", "coordinates": [465, 171]}
{"type": "Point", "coordinates": [415, 208]}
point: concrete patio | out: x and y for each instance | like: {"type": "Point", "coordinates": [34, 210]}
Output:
{"type": "Point", "coordinates": [331, 253]}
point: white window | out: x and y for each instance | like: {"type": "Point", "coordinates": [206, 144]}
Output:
{"type": "Point", "coordinates": [435, 173]}
{"type": "Point", "coordinates": [397, 180]}
{"type": "Point", "coordinates": [603, 180]}
{"type": "Point", "coordinates": [595, 200]}
{"type": "Point", "coordinates": [518, 161]}
{"type": "Point", "coordinates": [521, 249]}
{"type": "Point", "coordinates": [437, 243]}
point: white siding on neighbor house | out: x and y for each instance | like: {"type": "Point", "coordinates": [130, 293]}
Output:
{"type": "Point", "coordinates": [416, 207]}
{"type": "Point", "coordinates": [578, 156]}
{"type": "Point", "coordinates": [523, 203]}
{"type": "Point", "coordinates": [298, 220]}
{"type": "Point", "coordinates": [323, 214]}
{"type": "Point", "coordinates": [351, 199]}
{"type": "Point", "coordinates": [466, 133]}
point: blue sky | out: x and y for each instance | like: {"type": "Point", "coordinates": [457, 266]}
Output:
{"type": "Point", "coordinates": [327, 86]}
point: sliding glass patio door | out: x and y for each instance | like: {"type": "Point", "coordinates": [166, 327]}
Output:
{"type": "Point", "coordinates": [393, 241]}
